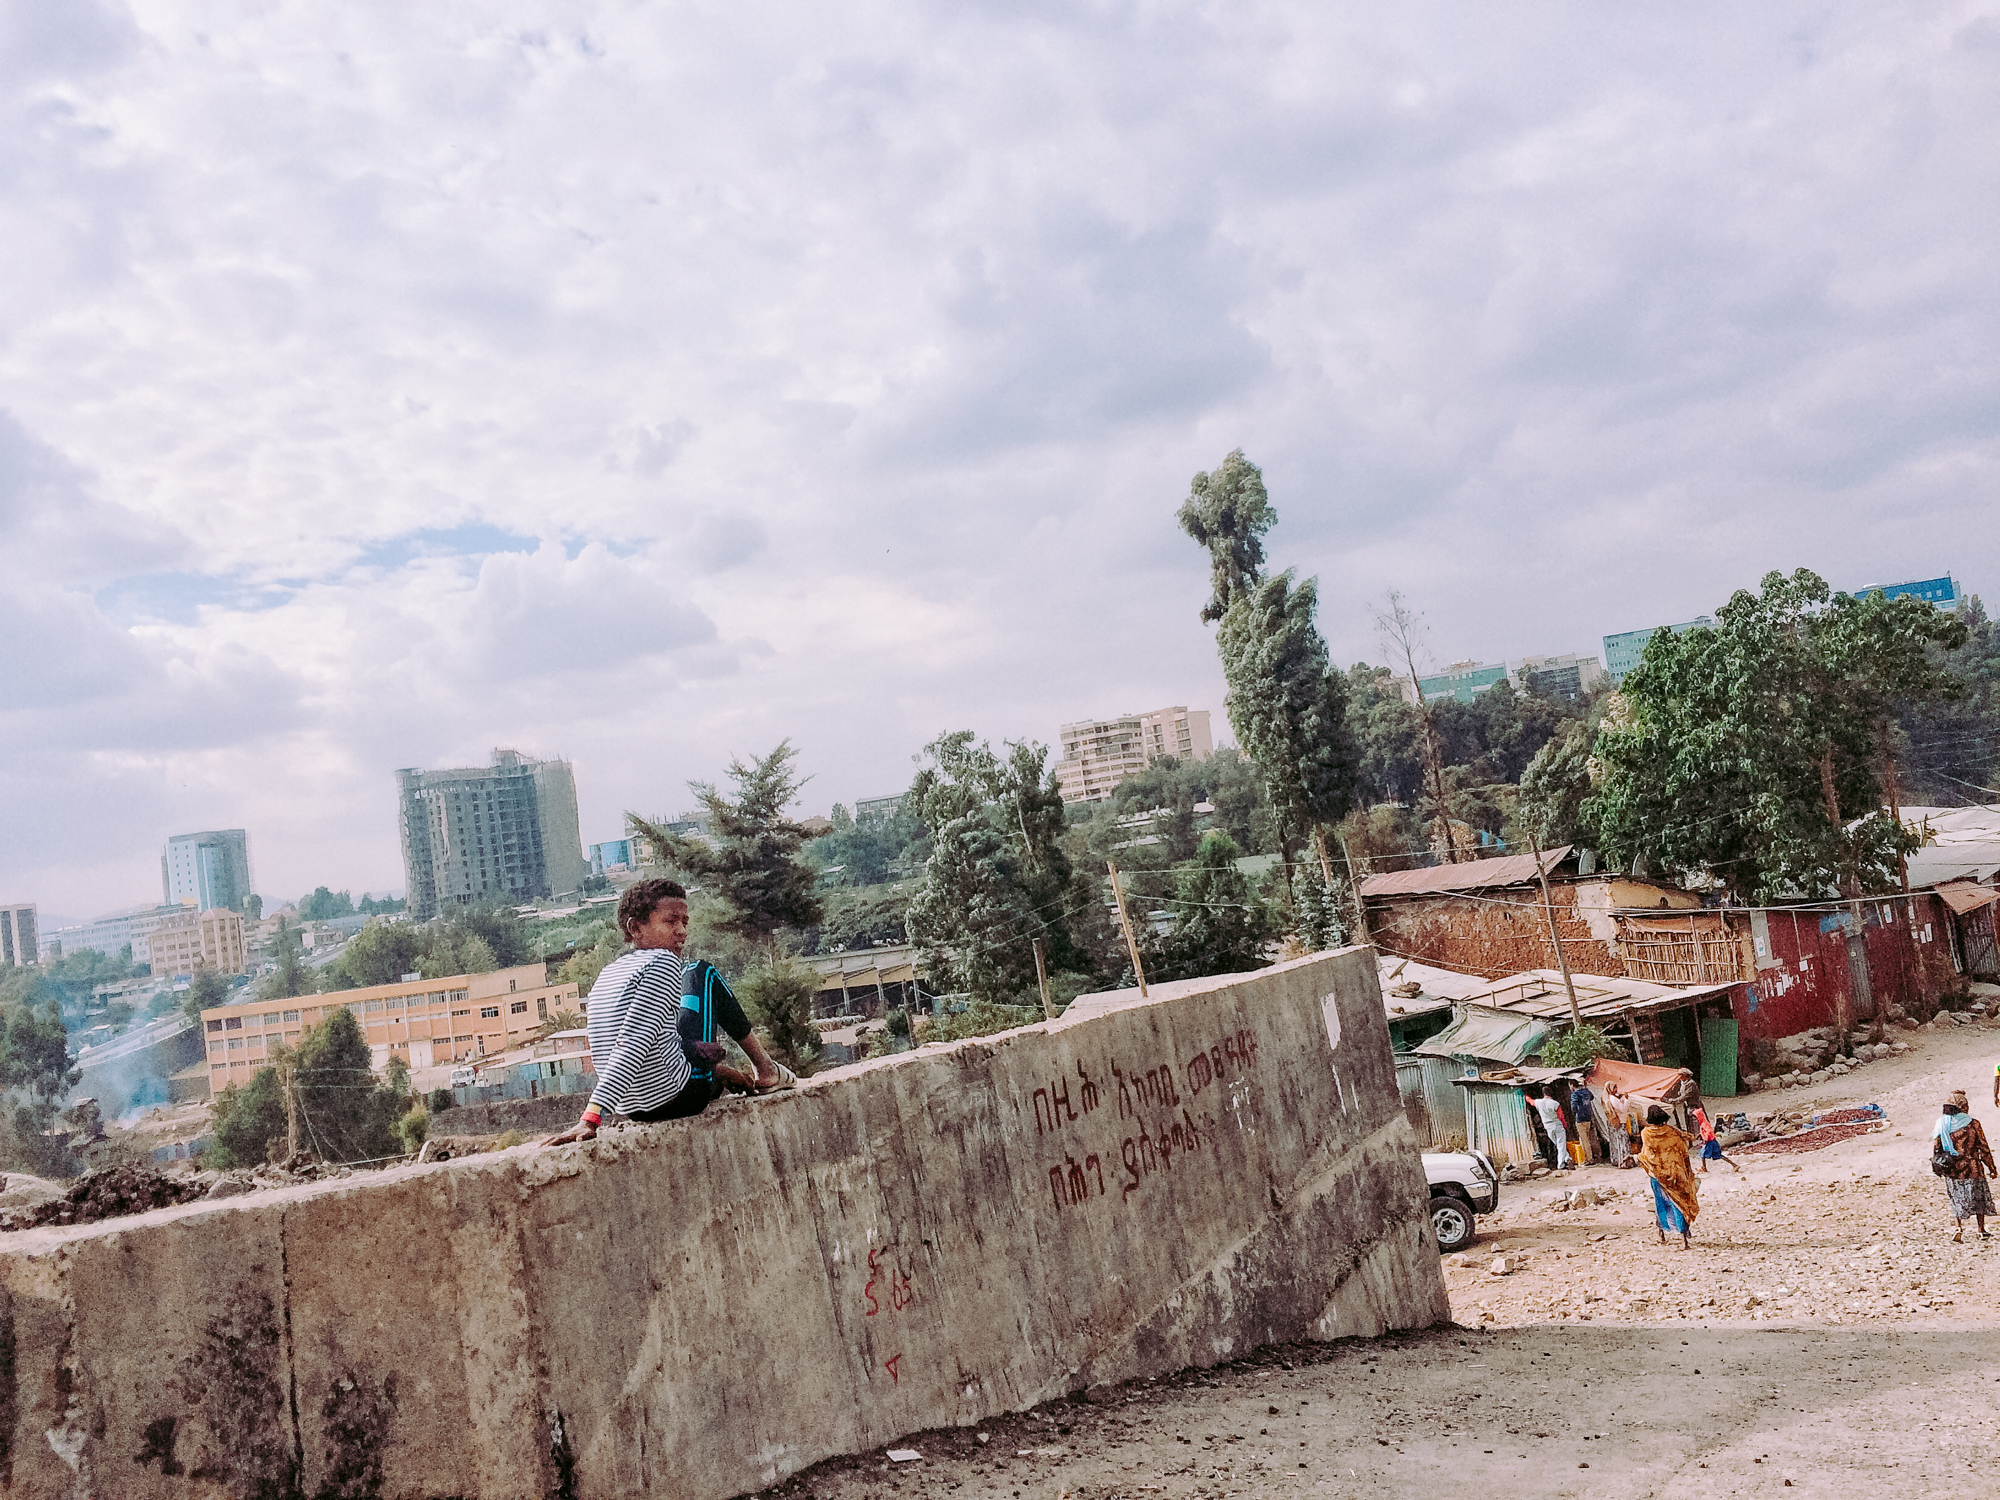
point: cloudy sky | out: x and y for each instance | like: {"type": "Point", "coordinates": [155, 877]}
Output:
{"type": "Point", "coordinates": [646, 383]}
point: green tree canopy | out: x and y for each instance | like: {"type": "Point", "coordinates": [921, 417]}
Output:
{"type": "Point", "coordinates": [323, 904]}
{"type": "Point", "coordinates": [998, 876]}
{"type": "Point", "coordinates": [1950, 747]}
{"type": "Point", "coordinates": [1220, 927]}
{"type": "Point", "coordinates": [1287, 705]}
{"type": "Point", "coordinates": [1756, 749]}
{"type": "Point", "coordinates": [380, 953]}
{"type": "Point", "coordinates": [345, 1114]}
{"type": "Point", "coordinates": [1555, 786]}
{"type": "Point", "coordinates": [67, 982]}
{"type": "Point", "coordinates": [207, 990]}
{"type": "Point", "coordinates": [778, 998]}
{"type": "Point", "coordinates": [246, 1118]}
{"type": "Point", "coordinates": [871, 850]}
{"type": "Point", "coordinates": [1228, 512]}
{"type": "Point", "coordinates": [752, 861]}
{"type": "Point", "coordinates": [289, 976]}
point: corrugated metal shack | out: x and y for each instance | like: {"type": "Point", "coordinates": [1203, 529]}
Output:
{"type": "Point", "coordinates": [1500, 1026]}
{"type": "Point", "coordinates": [1497, 1121]}
{"type": "Point", "coordinates": [1780, 971]}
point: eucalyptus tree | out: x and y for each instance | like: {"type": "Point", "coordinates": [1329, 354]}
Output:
{"type": "Point", "coordinates": [1287, 704]}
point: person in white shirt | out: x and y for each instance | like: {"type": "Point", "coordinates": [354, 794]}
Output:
{"type": "Point", "coordinates": [1552, 1122]}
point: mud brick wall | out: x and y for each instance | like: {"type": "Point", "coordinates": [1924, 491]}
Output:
{"type": "Point", "coordinates": [700, 1308]}
{"type": "Point", "coordinates": [1500, 932]}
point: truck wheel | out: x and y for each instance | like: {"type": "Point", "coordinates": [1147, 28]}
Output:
{"type": "Point", "coordinates": [1453, 1222]}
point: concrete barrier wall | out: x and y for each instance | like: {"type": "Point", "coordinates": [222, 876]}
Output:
{"type": "Point", "coordinates": [700, 1308]}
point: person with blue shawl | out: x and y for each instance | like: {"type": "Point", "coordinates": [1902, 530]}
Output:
{"type": "Point", "coordinates": [1663, 1152]}
{"type": "Point", "coordinates": [1962, 1140]}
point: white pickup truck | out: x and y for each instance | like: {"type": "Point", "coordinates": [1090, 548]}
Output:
{"type": "Point", "coordinates": [1463, 1185]}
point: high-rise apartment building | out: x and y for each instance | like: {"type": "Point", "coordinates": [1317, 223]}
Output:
{"type": "Point", "coordinates": [1097, 754]}
{"type": "Point", "coordinates": [1568, 677]}
{"type": "Point", "coordinates": [210, 869]}
{"type": "Point", "coordinates": [193, 940]}
{"type": "Point", "coordinates": [19, 943]}
{"type": "Point", "coordinates": [1622, 651]}
{"type": "Point", "coordinates": [507, 831]}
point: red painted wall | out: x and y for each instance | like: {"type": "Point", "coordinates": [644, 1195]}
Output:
{"type": "Point", "coordinates": [1800, 991]}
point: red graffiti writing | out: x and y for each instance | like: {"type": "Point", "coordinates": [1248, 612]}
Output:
{"type": "Point", "coordinates": [1153, 1087]}
{"type": "Point", "coordinates": [1232, 1054]}
{"type": "Point", "coordinates": [890, 1364]}
{"type": "Point", "coordinates": [1147, 1153]}
{"type": "Point", "coordinates": [895, 1285]}
{"type": "Point", "coordinates": [1073, 1186]}
{"type": "Point", "coordinates": [1054, 1105]}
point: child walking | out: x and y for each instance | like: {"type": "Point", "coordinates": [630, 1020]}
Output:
{"type": "Point", "coordinates": [1711, 1148]}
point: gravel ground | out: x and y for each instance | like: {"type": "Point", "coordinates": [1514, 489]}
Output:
{"type": "Point", "coordinates": [1855, 1232]}
{"type": "Point", "coordinates": [1823, 1338]}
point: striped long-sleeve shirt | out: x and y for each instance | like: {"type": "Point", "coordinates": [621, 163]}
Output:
{"type": "Point", "coordinates": [633, 1006]}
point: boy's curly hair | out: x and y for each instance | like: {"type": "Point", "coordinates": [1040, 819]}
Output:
{"type": "Point", "coordinates": [641, 898]}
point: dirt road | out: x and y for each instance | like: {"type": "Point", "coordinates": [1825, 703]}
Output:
{"type": "Point", "coordinates": [1857, 1232]}
{"type": "Point", "coordinates": [1823, 1338]}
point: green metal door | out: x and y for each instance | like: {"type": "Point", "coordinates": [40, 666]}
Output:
{"type": "Point", "coordinates": [1718, 1058]}
{"type": "Point", "coordinates": [1677, 1039]}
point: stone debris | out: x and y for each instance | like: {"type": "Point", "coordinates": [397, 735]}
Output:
{"type": "Point", "coordinates": [113, 1192]}
{"type": "Point", "coordinates": [106, 1194]}
{"type": "Point", "coordinates": [452, 1147]}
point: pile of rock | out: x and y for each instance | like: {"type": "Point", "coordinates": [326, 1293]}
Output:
{"type": "Point", "coordinates": [107, 1194]}
{"type": "Point", "coordinates": [1814, 1057]}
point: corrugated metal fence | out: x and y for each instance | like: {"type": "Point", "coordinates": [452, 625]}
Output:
{"type": "Point", "coordinates": [1498, 1117]}
{"type": "Point", "coordinates": [525, 1088]}
{"type": "Point", "coordinates": [1435, 1105]}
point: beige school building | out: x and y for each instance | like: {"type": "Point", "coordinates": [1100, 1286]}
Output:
{"type": "Point", "coordinates": [427, 1022]}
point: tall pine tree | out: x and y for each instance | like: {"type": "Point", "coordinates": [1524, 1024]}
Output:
{"type": "Point", "coordinates": [1287, 704]}
{"type": "Point", "coordinates": [752, 859]}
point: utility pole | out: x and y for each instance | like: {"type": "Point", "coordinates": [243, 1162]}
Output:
{"type": "Point", "coordinates": [1895, 804]}
{"type": "Point", "coordinates": [1042, 978]}
{"type": "Point", "coordinates": [288, 1086]}
{"type": "Point", "coordinates": [1549, 910]}
{"type": "Point", "coordinates": [1362, 933]}
{"type": "Point", "coordinates": [1125, 921]}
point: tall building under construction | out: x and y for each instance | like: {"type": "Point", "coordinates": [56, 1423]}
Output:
{"type": "Point", "coordinates": [504, 832]}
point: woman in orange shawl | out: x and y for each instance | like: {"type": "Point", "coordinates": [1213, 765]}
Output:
{"type": "Point", "coordinates": [1663, 1152]}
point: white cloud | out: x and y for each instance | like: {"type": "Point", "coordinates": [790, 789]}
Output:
{"type": "Point", "coordinates": [652, 383]}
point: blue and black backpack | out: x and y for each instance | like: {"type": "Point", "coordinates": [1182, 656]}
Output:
{"type": "Point", "coordinates": [701, 984]}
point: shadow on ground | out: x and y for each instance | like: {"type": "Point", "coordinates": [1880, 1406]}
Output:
{"type": "Point", "coordinates": [1537, 1411]}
